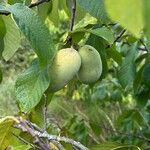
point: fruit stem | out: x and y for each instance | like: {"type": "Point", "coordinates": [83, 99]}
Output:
{"type": "Point", "coordinates": [72, 20]}
{"type": "Point", "coordinates": [73, 15]}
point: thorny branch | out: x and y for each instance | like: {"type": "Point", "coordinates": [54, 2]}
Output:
{"type": "Point", "coordinates": [38, 2]}
{"type": "Point", "coordinates": [39, 136]}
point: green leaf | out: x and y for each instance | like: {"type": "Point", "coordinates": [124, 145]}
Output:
{"type": "Point", "coordinates": [129, 13]}
{"type": "Point", "coordinates": [96, 128]}
{"type": "Point", "coordinates": [105, 33]}
{"type": "Point", "coordinates": [114, 54]}
{"type": "Point", "coordinates": [95, 8]}
{"type": "Point", "coordinates": [22, 147]}
{"type": "Point", "coordinates": [44, 10]}
{"type": "Point", "coordinates": [114, 146]}
{"type": "Point", "coordinates": [146, 4]}
{"type": "Point", "coordinates": [141, 90]}
{"type": "Point", "coordinates": [11, 39]}
{"type": "Point", "coordinates": [87, 20]}
{"type": "Point", "coordinates": [2, 28]}
{"type": "Point", "coordinates": [146, 74]}
{"type": "Point", "coordinates": [15, 1]}
{"type": "Point", "coordinates": [30, 86]}
{"type": "Point", "coordinates": [3, 32]}
{"type": "Point", "coordinates": [6, 137]}
{"type": "Point", "coordinates": [127, 71]}
{"type": "Point", "coordinates": [80, 12]}
{"type": "Point", "coordinates": [93, 40]}
{"type": "Point", "coordinates": [1, 75]}
{"type": "Point", "coordinates": [35, 31]}
{"type": "Point", "coordinates": [37, 116]}
{"type": "Point", "coordinates": [54, 15]}
{"type": "Point", "coordinates": [102, 32]}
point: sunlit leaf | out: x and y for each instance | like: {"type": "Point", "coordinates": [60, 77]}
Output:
{"type": "Point", "coordinates": [22, 147]}
{"type": "Point", "coordinates": [2, 31]}
{"type": "Point", "coordinates": [35, 31]}
{"type": "Point", "coordinates": [6, 137]}
{"type": "Point", "coordinates": [30, 86]}
{"type": "Point", "coordinates": [129, 13]}
{"type": "Point", "coordinates": [11, 38]}
{"type": "Point", "coordinates": [54, 15]}
{"type": "Point", "coordinates": [102, 32]}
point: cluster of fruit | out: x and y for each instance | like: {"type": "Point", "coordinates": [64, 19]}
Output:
{"type": "Point", "coordinates": [85, 64]}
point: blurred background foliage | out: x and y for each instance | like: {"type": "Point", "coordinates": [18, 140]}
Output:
{"type": "Point", "coordinates": [116, 108]}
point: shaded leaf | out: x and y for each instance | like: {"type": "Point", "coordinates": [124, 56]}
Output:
{"type": "Point", "coordinates": [96, 128]}
{"type": "Point", "coordinates": [93, 40]}
{"type": "Point", "coordinates": [127, 71]}
{"type": "Point", "coordinates": [146, 74]}
{"type": "Point", "coordinates": [95, 8]}
{"type": "Point", "coordinates": [1, 75]}
{"type": "Point", "coordinates": [114, 54]}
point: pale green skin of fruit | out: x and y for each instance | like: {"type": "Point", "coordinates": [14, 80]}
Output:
{"type": "Point", "coordinates": [91, 65]}
{"type": "Point", "coordinates": [65, 66]}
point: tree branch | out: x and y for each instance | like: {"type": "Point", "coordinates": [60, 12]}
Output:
{"type": "Point", "coordinates": [39, 136]}
{"type": "Point", "coordinates": [38, 2]}
{"type": "Point", "coordinates": [24, 141]}
{"type": "Point", "coordinates": [62, 139]}
{"type": "Point", "coordinates": [24, 126]}
{"type": "Point", "coordinates": [117, 38]}
{"type": "Point", "coordinates": [142, 42]}
{"type": "Point", "coordinates": [73, 15]}
{"type": "Point", "coordinates": [46, 112]}
{"type": "Point", "coordinates": [5, 13]}
{"type": "Point", "coordinates": [120, 35]}
{"type": "Point", "coordinates": [72, 21]}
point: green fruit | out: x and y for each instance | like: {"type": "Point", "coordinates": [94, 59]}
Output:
{"type": "Point", "coordinates": [91, 65]}
{"type": "Point", "coordinates": [65, 66]}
